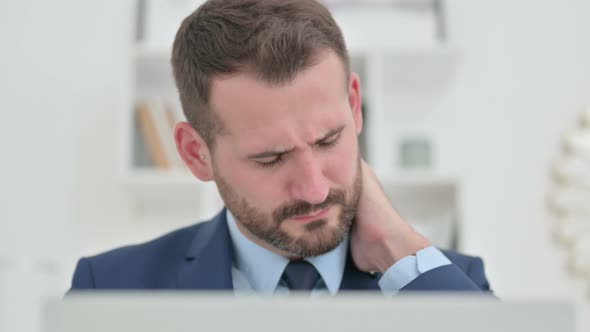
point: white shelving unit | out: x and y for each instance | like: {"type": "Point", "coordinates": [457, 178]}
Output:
{"type": "Point", "coordinates": [408, 61]}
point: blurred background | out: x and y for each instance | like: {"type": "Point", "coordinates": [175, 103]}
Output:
{"type": "Point", "coordinates": [477, 116]}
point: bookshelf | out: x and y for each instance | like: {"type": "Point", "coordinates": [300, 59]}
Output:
{"type": "Point", "coordinates": [409, 62]}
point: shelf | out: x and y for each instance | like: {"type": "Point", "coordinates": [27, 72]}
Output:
{"type": "Point", "coordinates": [420, 179]}
{"type": "Point", "coordinates": [385, 29]}
{"type": "Point", "coordinates": [364, 29]}
{"type": "Point", "coordinates": [429, 202]}
{"type": "Point", "coordinates": [394, 54]}
{"type": "Point", "coordinates": [162, 185]}
{"type": "Point", "coordinates": [172, 193]}
{"type": "Point", "coordinates": [403, 53]}
{"type": "Point", "coordinates": [173, 183]}
{"type": "Point", "coordinates": [148, 176]}
{"type": "Point", "coordinates": [156, 185]}
{"type": "Point", "coordinates": [181, 178]}
{"type": "Point", "coordinates": [399, 69]}
{"type": "Point", "coordinates": [423, 196]}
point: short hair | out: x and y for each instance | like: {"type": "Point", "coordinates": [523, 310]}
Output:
{"type": "Point", "coordinates": [273, 39]}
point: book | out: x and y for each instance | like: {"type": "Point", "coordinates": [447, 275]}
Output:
{"type": "Point", "coordinates": [149, 130]}
{"type": "Point", "coordinates": [165, 121]}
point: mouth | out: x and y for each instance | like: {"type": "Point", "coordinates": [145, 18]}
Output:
{"type": "Point", "coordinates": [315, 215]}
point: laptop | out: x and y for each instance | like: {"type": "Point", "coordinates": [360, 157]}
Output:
{"type": "Point", "coordinates": [188, 311]}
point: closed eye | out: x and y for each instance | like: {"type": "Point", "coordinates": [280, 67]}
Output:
{"type": "Point", "coordinates": [330, 140]}
{"type": "Point", "coordinates": [270, 161]}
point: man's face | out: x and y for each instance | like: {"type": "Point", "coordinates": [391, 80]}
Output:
{"type": "Point", "coordinates": [287, 165]}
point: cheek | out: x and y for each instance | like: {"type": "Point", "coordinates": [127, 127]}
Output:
{"type": "Point", "coordinates": [341, 165]}
{"type": "Point", "coordinates": [260, 189]}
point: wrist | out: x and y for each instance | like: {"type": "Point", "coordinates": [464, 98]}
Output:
{"type": "Point", "coordinates": [397, 250]}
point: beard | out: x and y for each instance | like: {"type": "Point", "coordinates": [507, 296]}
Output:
{"type": "Point", "coordinates": [318, 237]}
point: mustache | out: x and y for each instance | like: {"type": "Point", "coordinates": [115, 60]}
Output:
{"type": "Point", "coordinates": [302, 207]}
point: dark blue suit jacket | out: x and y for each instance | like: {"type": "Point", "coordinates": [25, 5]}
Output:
{"type": "Point", "coordinates": [199, 257]}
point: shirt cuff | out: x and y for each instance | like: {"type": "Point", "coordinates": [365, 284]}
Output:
{"type": "Point", "coordinates": [409, 268]}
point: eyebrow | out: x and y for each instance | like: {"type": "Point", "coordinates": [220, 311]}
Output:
{"type": "Point", "coordinates": [267, 154]}
{"type": "Point", "coordinates": [271, 153]}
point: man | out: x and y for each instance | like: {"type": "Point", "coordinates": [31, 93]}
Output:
{"type": "Point", "coordinates": [273, 118]}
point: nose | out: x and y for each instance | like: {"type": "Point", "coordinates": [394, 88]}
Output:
{"type": "Point", "coordinates": [308, 182]}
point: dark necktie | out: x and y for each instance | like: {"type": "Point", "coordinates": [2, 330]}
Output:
{"type": "Point", "coordinates": [301, 275]}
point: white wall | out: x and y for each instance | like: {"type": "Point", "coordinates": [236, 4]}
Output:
{"type": "Point", "coordinates": [62, 77]}
{"type": "Point", "coordinates": [523, 78]}
{"type": "Point", "coordinates": [524, 73]}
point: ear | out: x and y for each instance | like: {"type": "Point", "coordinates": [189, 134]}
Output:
{"type": "Point", "coordinates": [355, 101]}
{"type": "Point", "coordinates": [194, 151]}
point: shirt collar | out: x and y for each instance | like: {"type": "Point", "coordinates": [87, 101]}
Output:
{"type": "Point", "coordinates": [264, 268]}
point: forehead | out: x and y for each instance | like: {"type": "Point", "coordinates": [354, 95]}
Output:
{"type": "Point", "coordinates": [253, 111]}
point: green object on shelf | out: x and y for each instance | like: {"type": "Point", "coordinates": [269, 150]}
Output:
{"type": "Point", "coordinates": [415, 153]}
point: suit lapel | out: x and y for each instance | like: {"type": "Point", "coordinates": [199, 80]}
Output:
{"type": "Point", "coordinates": [208, 261]}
